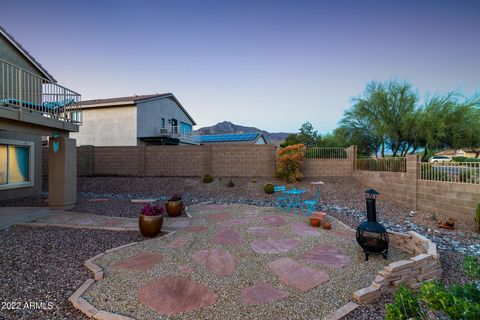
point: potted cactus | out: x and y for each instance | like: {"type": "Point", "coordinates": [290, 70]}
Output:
{"type": "Point", "coordinates": [151, 220]}
{"type": "Point", "coordinates": [174, 205]}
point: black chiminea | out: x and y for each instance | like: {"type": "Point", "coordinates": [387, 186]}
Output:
{"type": "Point", "coordinates": [371, 235]}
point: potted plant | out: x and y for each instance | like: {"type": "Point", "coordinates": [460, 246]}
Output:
{"type": "Point", "coordinates": [174, 205]}
{"type": "Point", "coordinates": [151, 220]}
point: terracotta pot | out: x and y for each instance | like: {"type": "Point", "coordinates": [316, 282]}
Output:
{"type": "Point", "coordinates": [315, 222]}
{"type": "Point", "coordinates": [327, 226]}
{"type": "Point", "coordinates": [150, 226]}
{"type": "Point", "coordinates": [174, 208]}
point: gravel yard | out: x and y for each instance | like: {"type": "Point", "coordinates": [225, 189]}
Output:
{"type": "Point", "coordinates": [46, 265]}
{"type": "Point", "coordinates": [178, 256]}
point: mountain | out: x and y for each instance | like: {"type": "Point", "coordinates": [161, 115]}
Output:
{"type": "Point", "coordinates": [228, 127]}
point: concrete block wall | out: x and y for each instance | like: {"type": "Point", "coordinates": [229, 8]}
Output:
{"type": "Point", "coordinates": [458, 200]}
{"type": "Point", "coordinates": [184, 161]}
{"type": "Point", "coordinates": [314, 168]}
{"type": "Point", "coordinates": [391, 185]}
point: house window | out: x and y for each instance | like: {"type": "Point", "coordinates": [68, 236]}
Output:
{"type": "Point", "coordinates": [163, 123]}
{"type": "Point", "coordinates": [185, 128]}
{"type": "Point", "coordinates": [16, 164]}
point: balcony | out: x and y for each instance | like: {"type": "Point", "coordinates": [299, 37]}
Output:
{"type": "Point", "coordinates": [32, 94]}
{"type": "Point", "coordinates": [176, 132]}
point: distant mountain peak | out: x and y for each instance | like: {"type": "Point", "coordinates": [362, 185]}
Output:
{"type": "Point", "coordinates": [229, 127]}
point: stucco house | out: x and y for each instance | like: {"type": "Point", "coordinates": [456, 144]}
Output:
{"type": "Point", "coordinates": [233, 138]}
{"type": "Point", "coordinates": [457, 153]}
{"type": "Point", "coordinates": [156, 119]}
{"type": "Point", "coordinates": [33, 105]}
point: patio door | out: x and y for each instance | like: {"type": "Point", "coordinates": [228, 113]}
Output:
{"type": "Point", "coordinates": [174, 126]}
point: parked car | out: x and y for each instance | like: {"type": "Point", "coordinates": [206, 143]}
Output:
{"type": "Point", "coordinates": [436, 159]}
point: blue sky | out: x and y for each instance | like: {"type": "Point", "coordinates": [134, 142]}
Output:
{"type": "Point", "coordinates": [269, 64]}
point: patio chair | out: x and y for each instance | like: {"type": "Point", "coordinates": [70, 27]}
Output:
{"type": "Point", "coordinates": [280, 198]}
{"type": "Point", "coordinates": [311, 205]}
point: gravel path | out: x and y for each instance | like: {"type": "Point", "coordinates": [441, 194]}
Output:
{"type": "Point", "coordinates": [46, 265]}
{"type": "Point", "coordinates": [118, 292]}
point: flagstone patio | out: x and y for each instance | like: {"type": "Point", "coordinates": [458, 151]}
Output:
{"type": "Point", "coordinates": [236, 262]}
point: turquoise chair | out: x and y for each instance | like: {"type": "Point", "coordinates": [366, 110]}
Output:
{"type": "Point", "coordinates": [311, 205]}
{"type": "Point", "coordinates": [280, 198]}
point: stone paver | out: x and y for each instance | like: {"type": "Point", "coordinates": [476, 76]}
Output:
{"type": "Point", "coordinates": [273, 246]}
{"type": "Point", "coordinates": [275, 221]}
{"type": "Point", "coordinates": [171, 295]}
{"type": "Point", "coordinates": [262, 293]}
{"type": "Point", "coordinates": [180, 224]}
{"type": "Point", "coordinates": [296, 275]}
{"type": "Point", "coordinates": [219, 261]}
{"type": "Point", "coordinates": [177, 243]}
{"type": "Point", "coordinates": [233, 222]}
{"type": "Point", "coordinates": [227, 236]}
{"type": "Point", "coordinates": [139, 262]}
{"type": "Point", "coordinates": [196, 229]}
{"type": "Point", "coordinates": [265, 232]}
{"type": "Point", "coordinates": [327, 256]}
{"type": "Point", "coordinates": [304, 230]}
{"type": "Point", "coordinates": [185, 268]}
{"type": "Point", "coordinates": [219, 216]}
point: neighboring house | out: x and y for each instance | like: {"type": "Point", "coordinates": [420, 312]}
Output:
{"type": "Point", "coordinates": [244, 138]}
{"type": "Point", "coordinates": [155, 119]}
{"type": "Point", "coordinates": [32, 106]}
{"type": "Point", "coordinates": [457, 153]}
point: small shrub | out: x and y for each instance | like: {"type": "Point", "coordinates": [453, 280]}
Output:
{"type": "Point", "coordinates": [477, 217]}
{"type": "Point", "coordinates": [289, 162]}
{"type": "Point", "coordinates": [465, 159]}
{"type": "Point", "coordinates": [230, 184]}
{"type": "Point", "coordinates": [207, 178]}
{"type": "Point", "coordinates": [471, 267]}
{"type": "Point", "coordinates": [254, 181]}
{"type": "Point", "coordinates": [405, 305]}
{"type": "Point", "coordinates": [455, 301]}
{"type": "Point", "coordinates": [269, 188]}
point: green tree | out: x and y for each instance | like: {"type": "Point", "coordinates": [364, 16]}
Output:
{"type": "Point", "coordinates": [306, 136]}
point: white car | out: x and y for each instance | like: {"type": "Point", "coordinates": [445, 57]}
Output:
{"type": "Point", "coordinates": [436, 159]}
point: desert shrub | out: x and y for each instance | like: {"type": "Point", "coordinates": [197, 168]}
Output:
{"type": "Point", "coordinates": [477, 217]}
{"type": "Point", "coordinates": [207, 178]}
{"type": "Point", "coordinates": [269, 188]}
{"type": "Point", "coordinates": [230, 184]}
{"type": "Point", "coordinates": [405, 305]}
{"type": "Point", "coordinates": [289, 162]}
{"type": "Point", "coordinates": [455, 302]}
{"type": "Point", "coordinates": [465, 159]}
{"type": "Point", "coordinates": [471, 267]}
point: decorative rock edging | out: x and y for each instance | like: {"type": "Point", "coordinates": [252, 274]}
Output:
{"type": "Point", "coordinates": [83, 305]}
{"type": "Point", "coordinates": [342, 311]}
{"type": "Point", "coordinates": [424, 266]}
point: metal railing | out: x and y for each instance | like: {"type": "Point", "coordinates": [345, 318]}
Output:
{"type": "Point", "coordinates": [20, 88]}
{"type": "Point", "coordinates": [460, 172]}
{"type": "Point", "coordinates": [328, 153]}
{"type": "Point", "coordinates": [179, 133]}
{"type": "Point", "coordinates": [397, 164]}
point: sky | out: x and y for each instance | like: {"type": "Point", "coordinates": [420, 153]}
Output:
{"type": "Point", "coordinates": [269, 64]}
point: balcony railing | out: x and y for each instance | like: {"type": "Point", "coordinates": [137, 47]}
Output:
{"type": "Point", "coordinates": [178, 132]}
{"type": "Point", "coordinates": [20, 88]}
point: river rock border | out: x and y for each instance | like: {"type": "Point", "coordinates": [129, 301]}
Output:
{"type": "Point", "coordinates": [424, 266]}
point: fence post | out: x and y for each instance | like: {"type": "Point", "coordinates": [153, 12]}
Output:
{"type": "Point", "coordinates": [412, 178]}
{"type": "Point", "coordinates": [353, 156]}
